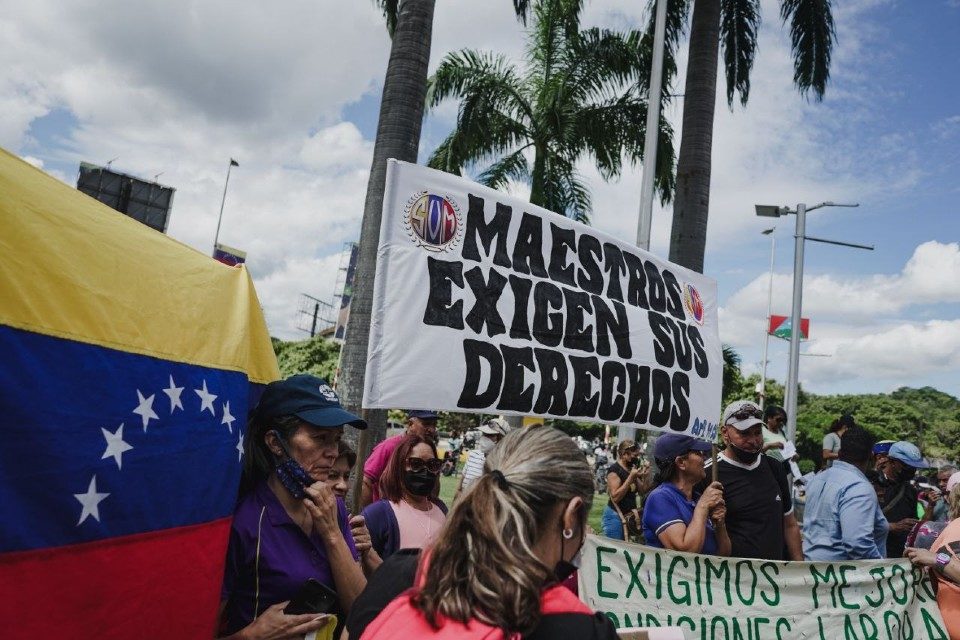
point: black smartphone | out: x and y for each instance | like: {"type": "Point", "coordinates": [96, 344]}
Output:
{"type": "Point", "coordinates": [312, 597]}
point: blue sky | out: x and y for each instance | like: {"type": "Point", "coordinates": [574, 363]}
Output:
{"type": "Point", "coordinates": [177, 89]}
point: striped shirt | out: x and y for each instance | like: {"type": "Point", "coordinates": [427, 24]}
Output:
{"type": "Point", "coordinates": [473, 469]}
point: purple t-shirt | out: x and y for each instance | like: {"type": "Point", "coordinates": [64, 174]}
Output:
{"type": "Point", "coordinates": [287, 556]}
{"type": "Point", "coordinates": [377, 462]}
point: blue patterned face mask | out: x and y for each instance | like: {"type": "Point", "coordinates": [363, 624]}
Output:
{"type": "Point", "coordinates": [291, 475]}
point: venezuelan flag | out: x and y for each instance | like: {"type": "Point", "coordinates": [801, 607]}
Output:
{"type": "Point", "coordinates": [128, 363]}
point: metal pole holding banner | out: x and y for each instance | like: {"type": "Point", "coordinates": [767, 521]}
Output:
{"type": "Point", "coordinates": [652, 130]}
{"type": "Point", "coordinates": [766, 329]}
{"type": "Point", "coordinates": [216, 238]}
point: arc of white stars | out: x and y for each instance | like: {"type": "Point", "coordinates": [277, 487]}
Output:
{"type": "Point", "coordinates": [145, 409]}
{"type": "Point", "coordinates": [228, 419]}
{"type": "Point", "coordinates": [173, 392]}
{"type": "Point", "coordinates": [206, 399]}
{"type": "Point", "coordinates": [116, 447]}
{"type": "Point", "coordinates": [90, 501]}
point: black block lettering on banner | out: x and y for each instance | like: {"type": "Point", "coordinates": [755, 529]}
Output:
{"type": "Point", "coordinates": [681, 344]}
{"type": "Point", "coordinates": [638, 399]}
{"type": "Point", "coordinates": [674, 296]}
{"type": "Point", "coordinates": [700, 363]}
{"type": "Point", "coordinates": [614, 265]}
{"type": "Point", "coordinates": [663, 344]}
{"type": "Point", "coordinates": [478, 229]}
{"type": "Point", "coordinates": [577, 335]}
{"type": "Point", "coordinates": [563, 242]}
{"type": "Point", "coordinates": [515, 395]}
{"type": "Point", "coordinates": [660, 385]}
{"type": "Point", "coordinates": [484, 309]}
{"type": "Point", "coordinates": [528, 250]}
{"type": "Point", "coordinates": [440, 312]}
{"type": "Point", "coordinates": [475, 353]}
{"type": "Point", "coordinates": [590, 276]}
{"type": "Point", "coordinates": [553, 382]}
{"type": "Point", "coordinates": [636, 281]}
{"type": "Point", "coordinates": [613, 384]}
{"type": "Point", "coordinates": [547, 325]}
{"type": "Point", "coordinates": [609, 324]}
{"type": "Point", "coordinates": [584, 403]}
{"type": "Point", "coordinates": [680, 414]}
{"type": "Point", "coordinates": [656, 291]}
{"type": "Point", "coordinates": [520, 327]}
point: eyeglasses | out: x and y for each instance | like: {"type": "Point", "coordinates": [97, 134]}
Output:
{"type": "Point", "coordinates": [745, 413]}
{"type": "Point", "coordinates": [419, 464]}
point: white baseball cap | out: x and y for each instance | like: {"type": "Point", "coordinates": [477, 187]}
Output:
{"type": "Point", "coordinates": [742, 414]}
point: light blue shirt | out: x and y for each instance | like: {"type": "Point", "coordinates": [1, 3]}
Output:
{"type": "Point", "coordinates": [842, 519]}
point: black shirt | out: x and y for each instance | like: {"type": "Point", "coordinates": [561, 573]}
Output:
{"type": "Point", "coordinates": [397, 574]}
{"type": "Point", "coordinates": [899, 502]}
{"type": "Point", "coordinates": [757, 498]}
{"type": "Point", "coordinates": [629, 501]}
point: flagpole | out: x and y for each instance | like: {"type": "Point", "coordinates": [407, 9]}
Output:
{"type": "Point", "coordinates": [216, 238]}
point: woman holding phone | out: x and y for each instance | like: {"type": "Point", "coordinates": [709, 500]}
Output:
{"type": "Point", "coordinates": [289, 527]}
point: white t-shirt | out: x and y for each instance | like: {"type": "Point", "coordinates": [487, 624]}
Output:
{"type": "Point", "coordinates": [831, 442]}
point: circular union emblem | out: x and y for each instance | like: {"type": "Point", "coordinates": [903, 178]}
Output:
{"type": "Point", "coordinates": [693, 302]}
{"type": "Point", "coordinates": [433, 221]}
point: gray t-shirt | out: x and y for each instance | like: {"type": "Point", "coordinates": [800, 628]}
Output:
{"type": "Point", "coordinates": [831, 442]}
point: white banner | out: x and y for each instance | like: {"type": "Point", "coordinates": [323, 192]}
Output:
{"type": "Point", "coordinates": [486, 303]}
{"type": "Point", "coordinates": [713, 598]}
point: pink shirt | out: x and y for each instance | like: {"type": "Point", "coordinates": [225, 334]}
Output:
{"type": "Point", "coordinates": [377, 462]}
{"type": "Point", "coordinates": [418, 529]}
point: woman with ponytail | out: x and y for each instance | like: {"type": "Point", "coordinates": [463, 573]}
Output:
{"type": "Point", "coordinates": [495, 570]}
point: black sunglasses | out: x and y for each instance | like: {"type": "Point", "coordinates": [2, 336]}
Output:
{"type": "Point", "coordinates": [745, 413]}
{"type": "Point", "coordinates": [419, 464]}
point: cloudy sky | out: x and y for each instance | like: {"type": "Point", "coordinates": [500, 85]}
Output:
{"type": "Point", "coordinates": [291, 90]}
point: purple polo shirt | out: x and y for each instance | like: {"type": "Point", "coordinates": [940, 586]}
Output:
{"type": "Point", "coordinates": [287, 556]}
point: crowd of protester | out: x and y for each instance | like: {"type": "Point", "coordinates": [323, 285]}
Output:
{"type": "Point", "coordinates": [499, 559]}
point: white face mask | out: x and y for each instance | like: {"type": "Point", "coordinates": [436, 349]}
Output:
{"type": "Point", "coordinates": [486, 445]}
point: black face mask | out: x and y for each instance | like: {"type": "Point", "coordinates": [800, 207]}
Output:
{"type": "Point", "coordinates": [419, 483]}
{"type": "Point", "coordinates": [564, 568]}
{"type": "Point", "coordinates": [744, 456]}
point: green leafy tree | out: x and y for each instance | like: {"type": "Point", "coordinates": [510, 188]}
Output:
{"type": "Point", "coordinates": [730, 27]}
{"type": "Point", "coordinates": [317, 356]}
{"type": "Point", "coordinates": [580, 93]}
{"type": "Point", "coordinates": [732, 378]}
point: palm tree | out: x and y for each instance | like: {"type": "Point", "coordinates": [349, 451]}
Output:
{"type": "Point", "coordinates": [732, 378]}
{"type": "Point", "coordinates": [581, 93]}
{"type": "Point", "coordinates": [731, 25]}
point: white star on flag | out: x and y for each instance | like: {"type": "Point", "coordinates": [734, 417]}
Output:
{"type": "Point", "coordinates": [90, 501]}
{"type": "Point", "coordinates": [173, 392]}
{"type": "Point", "coordinates": [239, 445]}
{"type": "Point", "coordinates": [115, 445]}
{"type": "Point", "coordinates": [145, 409]}
{"type": "Point", "coordinates": [206, 399]}
{"type": "Point", "coordinates": [227, 418]}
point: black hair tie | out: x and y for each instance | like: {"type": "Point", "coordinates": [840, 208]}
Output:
{"type": "Point", "coordinates": [501, 479]}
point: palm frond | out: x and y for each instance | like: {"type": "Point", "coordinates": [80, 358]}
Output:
{"type": "Point", "coordinates": [389, 8]}
{"type": "Point", "coordinates": [677, 12]}
{"type": "Point", "coordinates": [513, 166]}
{"type": "Point", "coordinates": [466, 72]}
{"type": "Point", "coordinates": [739, 25]}
{"type": "Point", "coordinates": [603, 62]}
{"type": "Point", "coordinates": [563, 190]}
{"type": "Point", "coordinates": [812, 34]}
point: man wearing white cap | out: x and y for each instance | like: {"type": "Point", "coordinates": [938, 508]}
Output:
{"type": "Point", "coordinates": [760, 517]}
{"type": "Point", "coordinates": [900, 496]}
{"type": "Point", "coordinates": [492, 431]}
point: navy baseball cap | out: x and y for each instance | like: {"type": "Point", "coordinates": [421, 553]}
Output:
{"type": "Point", "coordinates": [309, 398]}
{"type": "Point", "coordinates": [423, 414]}
{"type": "Point", "coordinates": [671, 445]}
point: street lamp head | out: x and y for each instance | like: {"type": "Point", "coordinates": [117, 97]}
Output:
{"type": "Point", "coordinates": [767, 232]}
{"type": "Point", "coordinates": [768, 210]}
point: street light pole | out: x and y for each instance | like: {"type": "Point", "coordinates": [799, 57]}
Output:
{"type": "Point", "coordinates": [790, 399]}
{"type": "Point", "coordinates": [216, 238]}
{"type": "Point", "coordinates": [766, 330]}
{"type": "Point", "coordinates": [653, 129]}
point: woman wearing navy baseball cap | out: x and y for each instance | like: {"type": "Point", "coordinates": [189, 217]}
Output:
{"type": "Point", "coordinates": [289, 527]}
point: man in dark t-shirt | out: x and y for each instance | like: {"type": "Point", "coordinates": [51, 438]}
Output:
{"type": "Point", "coordinates": [760, 517]}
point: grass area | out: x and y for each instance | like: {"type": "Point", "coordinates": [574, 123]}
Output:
{"type": "Point", "coordinates": [448, 485]}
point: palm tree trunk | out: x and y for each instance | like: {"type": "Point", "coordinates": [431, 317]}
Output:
{"type": "Point", "coordinates": [688, 236]}
{"type": "Point", "coordinates": [398, 136]}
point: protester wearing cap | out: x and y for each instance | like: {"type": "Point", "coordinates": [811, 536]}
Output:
{"type": "Point", "coordinates": [289, 526]}
{"type": "Point", "coordinates": [491, 432]}
{"type": "Point", "coordinates": [843, 516]}
{"type": "Point", "coordinates": [421, 423]}
{"type": "Point", "coordinates": [831, 441]}
{"type": "Point", "coordinates": [625, 479]}
{"type": "Point", "coordinates": [674, 515]}
{"type": "Point", "coordinates": [760, 517]}
{"type": "Point", "coordinates": [900, 496]}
